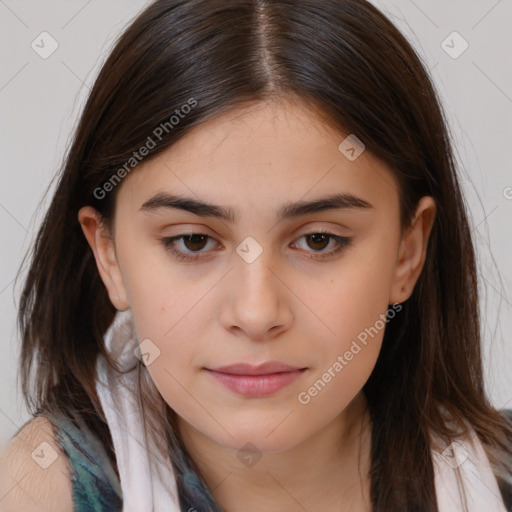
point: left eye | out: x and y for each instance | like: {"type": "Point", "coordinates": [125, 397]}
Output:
{"type": "Point", "coordinates": [197, 241]}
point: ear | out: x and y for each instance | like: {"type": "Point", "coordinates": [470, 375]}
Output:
{"type": "Point", "coordinates": [413, 251]}
{"type": "Point", "coordinates": [103, 247]}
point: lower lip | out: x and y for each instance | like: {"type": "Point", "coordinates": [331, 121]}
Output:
{"type": "Point", "coordinates": [256, 386]}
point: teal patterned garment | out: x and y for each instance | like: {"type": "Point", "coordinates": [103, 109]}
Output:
{"type": "Point", "coordinates": [96, 487]}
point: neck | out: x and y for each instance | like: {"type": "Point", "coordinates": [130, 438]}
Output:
{"type": "Point", "coordinates": [328, 468]}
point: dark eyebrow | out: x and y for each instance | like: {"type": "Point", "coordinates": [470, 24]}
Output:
{"type": "Point", "coordinates": [290, 210]}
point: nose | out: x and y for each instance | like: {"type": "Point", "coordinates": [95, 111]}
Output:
{"type": "Point", "coordinates": [257, 303]}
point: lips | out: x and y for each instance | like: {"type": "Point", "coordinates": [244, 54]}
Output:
{"type": "Point", "coordinates": [256, 381]}
{"type": "Point", "coordinates": [267, 368]}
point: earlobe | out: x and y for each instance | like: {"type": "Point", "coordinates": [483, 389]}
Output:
{"type": "Point", "coordinates": [413, 251]}
{"type": "Point", "coordinates": [103, 248]}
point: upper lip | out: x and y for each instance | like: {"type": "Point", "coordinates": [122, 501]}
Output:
{"type": "Point", "coordinates": [260, 369]}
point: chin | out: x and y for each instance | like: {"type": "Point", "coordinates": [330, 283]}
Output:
{"type": "Point", "coordinates": [262, 438]}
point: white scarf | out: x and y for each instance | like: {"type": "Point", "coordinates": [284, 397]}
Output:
{"type": "Point", "coordinates": [148, 481]}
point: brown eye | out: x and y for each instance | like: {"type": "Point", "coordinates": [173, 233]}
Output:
{"type": "Point", "coordinates": [195, 242]}
{"type": "Point", "coordinates": [318, 241]}
{"type": "Point", "coordinates": [191, 243]}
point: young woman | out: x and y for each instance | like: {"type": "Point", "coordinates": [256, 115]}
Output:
{"type": "Point", "coordinates": [255, 287]}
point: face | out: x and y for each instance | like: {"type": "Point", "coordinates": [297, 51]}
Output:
{"type": "Point", "coordinates": [271, 282]}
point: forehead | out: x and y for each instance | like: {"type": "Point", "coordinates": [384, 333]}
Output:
{"type": "Point", "coordinates": [259, 156]}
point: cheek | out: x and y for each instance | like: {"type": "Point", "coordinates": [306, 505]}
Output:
{"type": "Point", "coordinates": [356, 297]}
{"type": "Point", "coordinates": [346, 357]}
{"type": "Point", "coordinates": [162, 294]}
{"type": "Point", "coordinates": [353, 310]}
{"type": "Point", "coordinates": [356, 313]}
{"type": "Point", "coordinates": [175, 368]}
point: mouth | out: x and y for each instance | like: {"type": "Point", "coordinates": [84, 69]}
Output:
{"type": "Point", "coordinates": [256, 381]}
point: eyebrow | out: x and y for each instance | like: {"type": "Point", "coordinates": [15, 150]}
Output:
{"type": "Point", "coordinates": [343, 201]}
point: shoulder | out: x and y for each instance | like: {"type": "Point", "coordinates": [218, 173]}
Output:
{"type": "Point", "coordinates": [34, 472]}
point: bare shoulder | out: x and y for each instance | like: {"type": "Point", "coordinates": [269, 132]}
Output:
{"type": "Point", "coordinates": [34, 472]}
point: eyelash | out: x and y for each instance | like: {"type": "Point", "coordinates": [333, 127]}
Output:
{"type": "Point", "coordinates": [168, 243]}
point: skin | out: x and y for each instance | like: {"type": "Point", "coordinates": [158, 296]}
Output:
{"type": "Point", "coordinates": [285, 306]}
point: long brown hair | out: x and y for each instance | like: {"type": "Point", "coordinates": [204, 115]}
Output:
{"type": "Point", "coordinates": [350, 64]}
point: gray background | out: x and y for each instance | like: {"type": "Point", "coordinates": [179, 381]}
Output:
{"type": "Point", "coordinates": [40, 100]}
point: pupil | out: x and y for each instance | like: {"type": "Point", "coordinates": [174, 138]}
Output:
{"type": "Point", "coordinates": [318, 238]}
{"type": "Point", "coordinates": [194, 239]}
